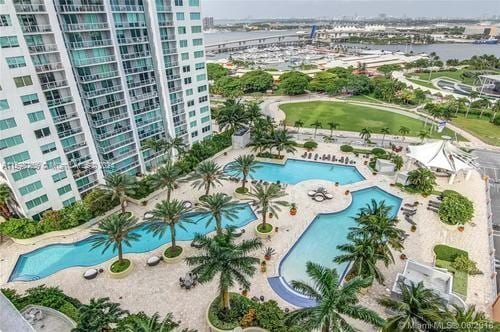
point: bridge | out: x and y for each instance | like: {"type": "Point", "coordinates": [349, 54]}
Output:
{"type": "Point", "coordinates": [260, 42]}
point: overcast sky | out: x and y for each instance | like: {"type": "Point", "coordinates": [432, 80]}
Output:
{"type": "Point", "coordinates": [240, 9]}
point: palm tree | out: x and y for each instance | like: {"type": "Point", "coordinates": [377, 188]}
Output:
{"type": "Point", "coordinates": [333, 126]}
{"type": "Point", "coordinates": [169, 176]}
{"type": "Point", "coordinates": [231, 261]}
{"type": "Point", "coordinates": [365, 134]}
{"type": "Point", "coordinates": [334, 301]}
{"type": "Point", "coordinates": [143, 323]}
{"type": "Point", "coordinates": [114, 231]}
{"type": "Point", "coordinates": [156, 145]}
{"type": "Point", "coordinates": [422, 179]}
{"type": "Point", "coordinates": [469, 319]}
{"type": "Point", "coordinates": [298, 124]}
{"type": "Point", "coordinates": [317, 124]}
{"type": "Point", "coordinates": [98, 315]}
{"type": "Point", "coordinates": [472, 96]}
{"type": "Point", "coordinates": [404, 131]}
{"type": "Point", "coordinates": [417, 306]}
{"type": "Point", "coordinates": [423, 134]}
{"type": "Point", "coordinates": [219, 205]}
{"type": "Point", "coordinates": [253, 114]}
{"type": "Point", "coordinates": [282, 141]}
{"type": "Point", "coordinates": [167, 214]}
{"type": "Point", "coordinates": [266, 198]}
{"type": "Point", "coordinates": [384, 131]}
{"type": "Point", "coordinates": [487, 105]}
{"type": "Point", "coordinates": [206, 175]}
{"type": "Point", "coordinates": [120, 186]}
{"type": "Point", "coordinates": [176, 144]}
{"type": "Point", "coordinates": [244, 165]}
{"type": "Point", "coordinates": [5, 197]}
{"type": "Point", "coordinates": [362, 254]}
{"type": "Point", "coordinates": [495, 108]}
{"type": "Point", "coordinates": [232, 115]}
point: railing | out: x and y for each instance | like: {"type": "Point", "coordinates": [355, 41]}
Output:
{"type": "Point", "coordinates": [81, 8]}
{"type": "Point", "coordinates": [93, 61]}
{"type": "Point", "coordinates": [85, 26]}
{"type": "Point", "coordinates": [132, 85]}
{"type": "Point", "coordinates": [167, 37]}
{"type": "Point", "coordinates": [126, 25]}
{"type": "Point", "coordinates": [172, 64]}
{"type": "Point", "coordinates": [150, 121]}
{"type": "Point", "coordinates": [74, 147]}
{"type": "Point", "coordinates": [173, 77]}
{"type": "Point", "coordinates": [100, 108]}
{"type": "Point", "coordinates": [105, 121]}
{"type": "Point", "coordinates": [147, 109]}
{"type": "Point", "coordinates": [26, 8]}
{"type": "Point", "coordinates": [48, 67]}
{"type": "Point", "coordinates": [133, 40]}
{"type": "Point", "coordinates": [115, 145]}
{"type": "Point", "coordinates": [126, 167]}
{"type": "Point", "coordinates": [175, 88]}
{"type": "Point", "coordinates": [176, 101]}
{"type": "Point", "coordinates": [150, 133]}
{"type": "Point", "coordinates": [138, 69]}
{"type": "Point", "coordinates": [170, 51]}
{"type": "Point", "coordinates": [142, 54]}
{"type": "Point", "coordinates": [36, 28]}
{"type": "Point", "coordinates": [163, 8]}
{"type": "Point", "coordinates": [112, 133]}
{"type": "Point", "coordinates": [96, 93]}
{"type": "Point", "coordinates": [166, 23]}
{"type": "Point", "coordinates": [88, 185]}
{"type": "Point", "coordinates": [144, 96]}
{"type": "Point", "coordinates": [69, 132]}
{"type": "Point", "coordinates": [64, 117]}
{"type": "Point", "coordinates": [127, 8]}
{"type": "Point", "coordinates": [54, 84]}
{"type": "Point", "coordinates": [99, 76]}
{"type": "Point", "coordinates": [59, 101]}
{"type": "Point", "coordinates": [121, 156]}
{"type": "Point", "coordinates": [80, 173]}
{"type": "Point", "coordinates": [43, 48]}
{"type": "Point", "coordinates": [489, 214]}
{"type": "Point", "coordinates": [91, 43]}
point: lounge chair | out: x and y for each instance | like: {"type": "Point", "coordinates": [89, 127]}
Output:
{"type": "Point", "coordinates": [312, 193]}
{"type": "Point", "coordinates": [431, 208]}
{"type": "Point", "coordinates": [187, 204]}
{"type": "Point", "coordinates": [153, 261]}
{"type": "Point", "coordinates": [435, 203]}
{"type": "Point", "coordinates": [408, 210]}
{"type": "Point", "coordinates": [328, 196]}
{"type": "Point", "coordinates": [409, 220]}
{"type": "Point", "coordinates": [319, 198]}
{"type": "Point", "coordinates": [90, 274]}
{"type": "Point", "coordinates": [239, 232]}
{"type": "Point", "coordinates": [304, 155]}
{"type": "Point", "coordinates": [316, 156]}
{"type": "Point", "coordinates": [310, 155]}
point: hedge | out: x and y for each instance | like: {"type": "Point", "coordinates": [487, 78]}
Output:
{"type": "Point", "coordinates": [346, 148]}
{"type": "Point", "coordinates": [447, 253]}
{"type": "Point", "coordinates": [455, 209]}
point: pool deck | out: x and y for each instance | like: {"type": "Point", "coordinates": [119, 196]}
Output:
{"type": "Point", "coordinates": [156, 289]}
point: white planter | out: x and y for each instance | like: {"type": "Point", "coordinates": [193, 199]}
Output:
{"type": "Point", "coordinates": [123, 274]}
{"type": "Point", "coordinates": [261, 235]}
{"type": "Point", "coordinates": [173, 259]}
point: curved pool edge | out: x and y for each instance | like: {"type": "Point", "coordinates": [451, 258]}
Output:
{"type": "Point", "coordinates": [21, 257]}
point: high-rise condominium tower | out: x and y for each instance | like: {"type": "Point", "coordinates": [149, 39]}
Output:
{"type": "Point", "coordinates": [90, 81]}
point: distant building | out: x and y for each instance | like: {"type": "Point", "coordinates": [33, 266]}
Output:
{"type": "Point", "coordinates": [484, 30]}
{"type": "Point", "coordinates": [208, 23]}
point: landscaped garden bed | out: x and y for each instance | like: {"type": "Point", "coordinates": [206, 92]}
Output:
{"type": "Point", "coordinates": [445, 257]}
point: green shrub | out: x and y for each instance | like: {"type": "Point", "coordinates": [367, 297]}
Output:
{"type": "Point", "coordinates": [20, 228]}
{"type": "Point", "coordinates": [378, 152]}
{"type": "Point", "coordinates": [269, 316]}
{"type": "Point", "coordinates": [447, 253]}
{"type": "Point", "coordinates": [346, 148]}
{"type": "Point", "coordinates": [99, 201]}
{"type": "Point", "coordinates": [228, 320]}
{"type": "Point", "coordinates": [70, 310]}
{"type": "Point", "coordinates": [455, 209]}
{"type": "Point", "coordinates": [465, 264]}
{"type": "Point", "coordinates": [14, 297]}
{"type": "Point", "coordinates": [422, 180]}
{"type": "Point", "coordinates": [310, 145]}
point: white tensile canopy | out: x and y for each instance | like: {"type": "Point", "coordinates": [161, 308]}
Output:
{"type": "Point", "coordinates": [443, 155]}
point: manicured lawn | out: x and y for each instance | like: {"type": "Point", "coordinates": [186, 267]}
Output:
{"type": "Point", "coordinates": [352, 117]}
{"type": "Point", "coordinates": [482, 128]}
{"type": "Point", "coordinates": [364, 98]}
{"type": "Point", "coordinates": [445, 256]}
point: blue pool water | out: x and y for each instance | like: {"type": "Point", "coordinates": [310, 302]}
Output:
{"type": "Point", "coordinates": [295, 171]}
{"type": "Point", "coordinates": [47, 260]}
{"type": "Point", "coordinates": [319, 241]}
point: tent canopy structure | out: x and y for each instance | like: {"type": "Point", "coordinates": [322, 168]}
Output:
{"type": "Point", "coordinates": [443, 155]}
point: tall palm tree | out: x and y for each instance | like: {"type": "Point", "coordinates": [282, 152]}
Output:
{"type": "Point", "coordinates": [362, 254]}
{"type": "Point", "coordinates": [365, 134]}
{"type": "Point", "coordinates": [423, 134]}
{"type": "Point", "coordinates": [219, 205]}
{"type": "Point", "coordinates": [384, 131]}
{"type": "Point", "coordinates": [232, 115]}
{"type": "Point", "coordinates": [282, 141]}
{"type": "Point", "coordinates": [222, 256]}
{"type": "Point", "coordinates": [298, 124]}
{"type": "Point", "coordinates": [487, 105]}
{"type": "Point", "coordinates": [417, 306]}
{"type": "Point", "coordinates": [253, 113]}
{"type": "Point", "coordinates": [175, 144]}
{"type": "Point", "coordinates": [469, 319]}
{"type": "Point", "coordinates": [404, 131]}
{"type": "Point", "coordinates": [156, 145]}
{"type": "Point", "coordinates": [333, 126]}
{"type": "Point", "coordinates": [120, 186]}
{"type": "Point", "coordinates": [169, 176]}
{"type": "Point", "coordinates": [334, 301]}
{"type": "Point", "coordinates": [5, 197]}
{"type": "Point", "coordinates": [206, 175]}
{"type": "Point", "coordinates": [98, 315]}
{"type": "Point", "coordinates": [316, 124]}
{"type": "Point", "coordinates": [265, 197]}
{"type": "Point", "coordinates": [167, 214]}
{"type": "Point", "coordinates": [243, 165]}
{"type": "Point", "coordinates": [114, 231]}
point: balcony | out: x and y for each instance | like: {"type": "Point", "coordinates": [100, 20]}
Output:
{"type": "Point", "coordinates": [129, 25]}
{"type": "Point", "coordinates": [138, 69]}
{"type": "Point", "coordinates": [90, 44]}
{"type": "Point", "coordinates": [81, 8]}
{"type": "Point", "coordinates": [127, 8]}
{"type": "Point", "coordinates": [98, 76]}
{"type": "Point", "coordinates": [136, 55]}
{"type": "Point", "coordinates": [49, 67]}
{"type": "Point", "coordinates": [173, 77]}
{"type": "Point", "coordinates": [113, 132]}
{"type": "Point", "coordinates": [166, 24]}
{"type": "Point", "coordinates": [100, 108]}
{"type": "Point", "coordinates": [149, 121]}
{"type": "Point", "coordinates": [106, 121]}
{"type": "Point", "coordinates": [85, 26]}
{"type": "Point", "coordinates": [175, 88]}
{"type": "Point", "coordinates": [93, 61]}
{"type": "Point", "coordinates": [176, 101]}
{"type": "Point", "coordinates": [171, 64]}
{"type": "Point", "coordinates": [64, 117]}
{"type": "Point", "coordinates": [59, 101]}
{"type": "Point", "coordinates": [126, 167]}
{"type": "Point", "coordinates": [54, 84]}
{"type": "Point", "coordinates": [39, 28]}
{"type": "Point", "coordinates": [100, 92]}
{"type": "Point", "coordinates": [133, 40]}
{"type": "Point", "coordinates": [79, 160]}
{"type": "Point", "coordinates": [170, 51]}
{"type": "Point", "coordinates": [147, 109]}
{"type": "Point", "coordinates": [143, 96]}
{"type": "Point", "coordinates": [89, 185]}
{"type": "Point", "coordinates": [30, 8]}
{"type": "Point", "coordinates": [163, 8]}
{"type": "Point", "coordinates": [132, 85]}
{"type": "Point", "coordinates": [46, 48]}
{"type": "Point", "coordinates": [75, 147]}
{"type": "Point", "coordinates": [69, 132]}
{"type": "Point", "coordinates": [167, 37]}
{"type": "Point", "coordinates": [116, 145]}
{"type": "Point", "coordinates": [150, 133]}
{"type": "Point", "coordinates": [121, 156]}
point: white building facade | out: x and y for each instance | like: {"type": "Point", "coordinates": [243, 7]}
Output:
{"type": "Point", "coordinates": [86, 83]}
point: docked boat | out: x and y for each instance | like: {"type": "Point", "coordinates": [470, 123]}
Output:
{"type": "Point", "coordinates": [489, 41]}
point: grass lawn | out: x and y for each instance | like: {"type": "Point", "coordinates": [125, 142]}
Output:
{"type": "Point", "coordinates": [482, 128]}
{"type": "Point", "coordinates": [445, 255]}
{"type": "Point", "coordinates": [423, 83]}
{"type": "Point", "coordinates": [365, 99]}
{"type": "Point", "coordinates": [353, 117]}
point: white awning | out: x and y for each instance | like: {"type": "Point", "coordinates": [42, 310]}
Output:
{"type": "Point", "coordinates": [444, 155]}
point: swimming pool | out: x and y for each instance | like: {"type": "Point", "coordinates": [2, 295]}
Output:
{"type": "Point", "coordinates": [295, 171]}
{"type": "Point", "coordinates": [319, 241]}
{"type": "Point", "coordinates": [50, 259]}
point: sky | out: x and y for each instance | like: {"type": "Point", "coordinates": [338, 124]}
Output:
{"type": "Point", "coordinates": [254, 9]}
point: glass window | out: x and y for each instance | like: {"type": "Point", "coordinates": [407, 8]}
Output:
{"type": "Point", "coordinates": [192, 113]}
{"type": "Point", "coordinates": [36, 116]}
{"type": "Point", "coordinates": [198, 42]}
{"type": "Point", "coordinates": [46, 148]}
{"type": "Point", "coordinates": [179, 2]}
{"type": "Point", "coordinates": [181, 30]}
{"type": "Point", "coordinates": [17, 158]}
{"type": "Point", "coordinates": [201, 77]}
{"type": "Point", "coordinates": [195, 16]}
{"type": "Point", "coordinates": [196, 29]}
{"type": "Point", "coordinates": [194, 3]}
{"type": "Point", "coordinates": [63, 190]}
{"type": "Point", "coordinates": [204, 109]}
{"type": "Point", "coordinates": [8, 41]}
{"type": "Point", "coordinates": [194, 133]}
{"type": "Point", "coordinates": [24, 190]}
{"type": "Point", "coordinates": [189, 92]}
{"type": "Point", "coordinates": [59, 176]}
{"type": "Point", "coordinates": [202, 88]}
{"type": "Point", "coordinates": [185, 56]}
{"type": "Point", "coordinates": [30, 99]}
{"type": "Point", "coordinates": [43, 132]}
{"type": "Point", "coordinates": [192, 124]}
{"type": "Point", "coordinates": [183, 43]}
{"type": "Point", "coordinates": [37, 201]}
{"type": "Point", "coordinates": [70, 201]}
{"type": "Point", "coordinates": [205, 119]}
{"type": "Point", "coordinates": [24, 173]}
{"type": "Point", "coordinates": [23, 81]}
{"type": "Point", "coordinates": [11, 141]}
{"type": "Point", "coordinates": [199, 66]}
{"type": "Point", "coordinates": [53, 162]}
{"type": "Point", "coordinates": [179, 16]}
{"type": "Point", "coordinates": [205, 129]}
{"type": "Point", "coordinates": [4, 105]}
{"type": "Point", "coordinates": [5, 21]}
{"type": "Point", "coordinates": [202, 99]}
{"type": "Point", "coordinates": [7, 123]}
{"type": "Point", "coordinates": [16, 61]}
{"type": "Point", "coordinates": [198, 54]}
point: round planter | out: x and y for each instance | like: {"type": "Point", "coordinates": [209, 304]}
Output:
{"type": "Point", "coordinates": [241, 195]}
{"type": "Point", "coordinates": [171, 260]}
{"type": "Point", "coordinates": [122, 274]}
{"type": "Point", "coordinates": [293, 212]}
{"type": "Point", "coordinates": [264, 235]}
